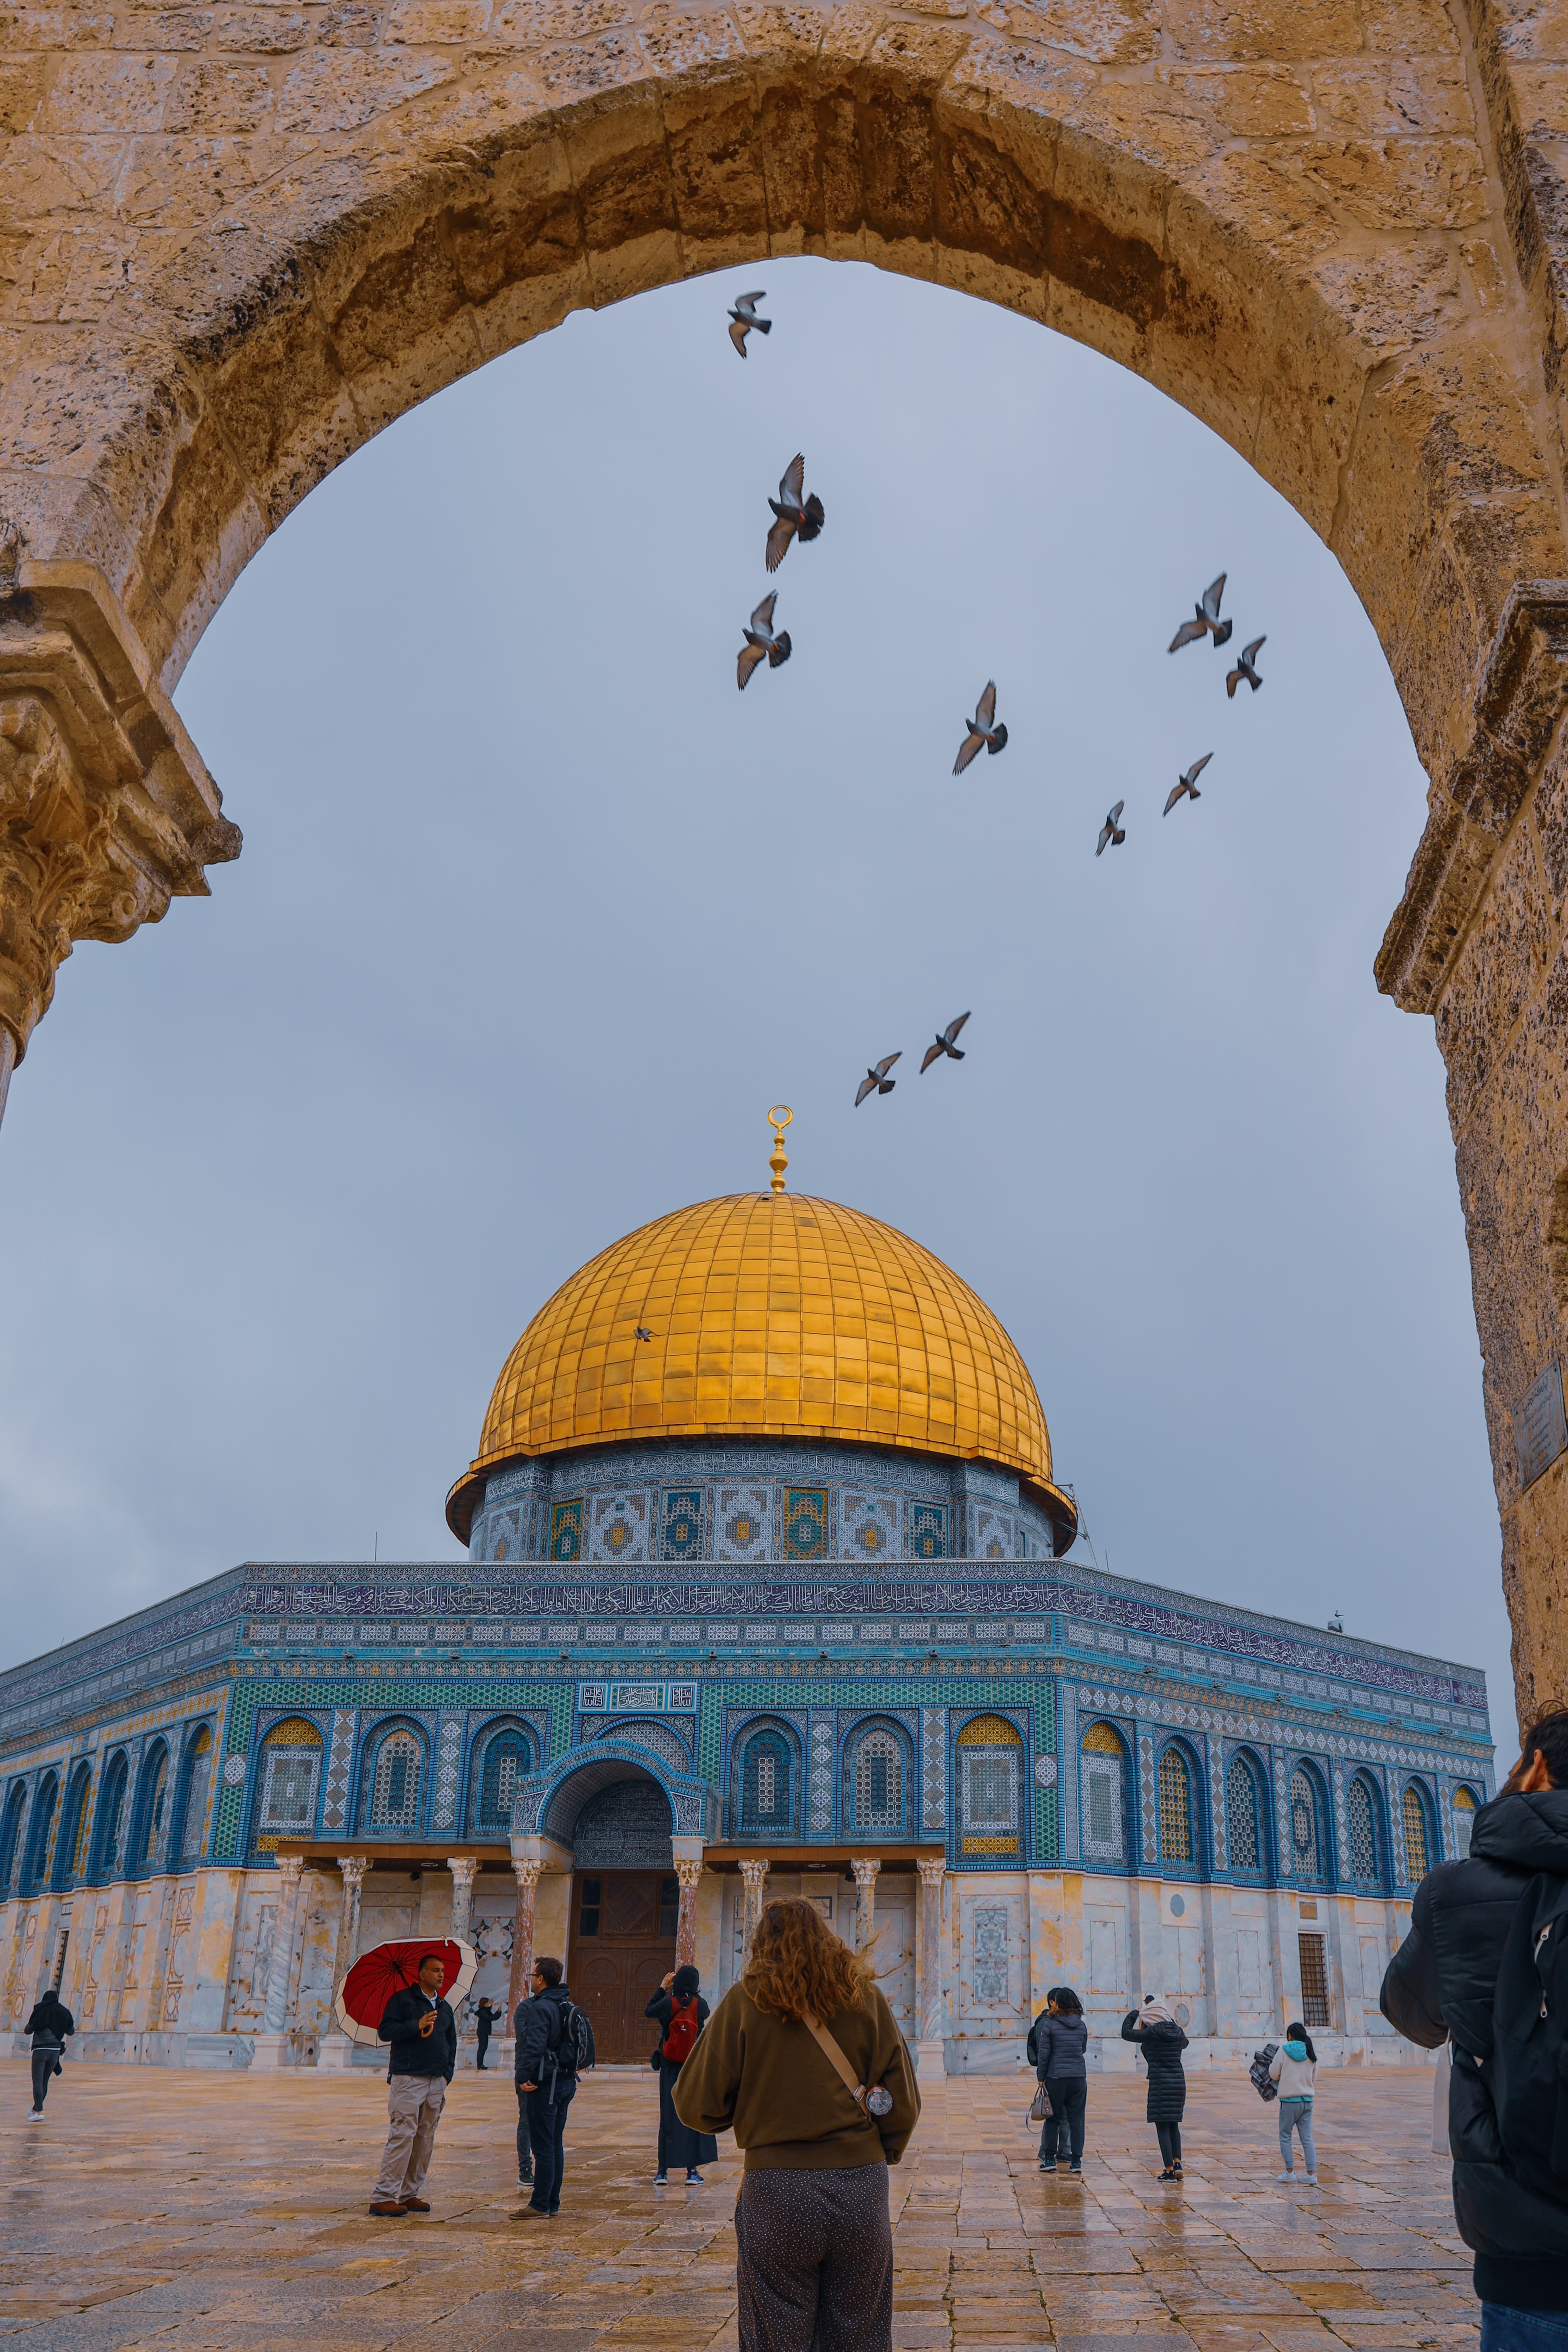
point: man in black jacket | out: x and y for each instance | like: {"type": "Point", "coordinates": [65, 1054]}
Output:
{"type": "Point", "coordinates": [424, 2037]}
{"type": "Point", "coordinates": [545, 2070]}
{"type": "Point", "coordinates": [49, 2023]}
{"type": "Point", "coordinates": [1440, 1984]}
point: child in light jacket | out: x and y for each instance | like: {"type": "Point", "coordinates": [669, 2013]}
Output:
{"type": "Point", "coordinates": [1295, 2069]}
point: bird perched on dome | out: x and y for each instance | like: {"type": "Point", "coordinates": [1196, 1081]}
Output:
{"type": "Point", "coordinates": [944, 1044]}
{"type": "Point", "coordinates": [1246, 669]}
{"type": "Point", "coordinates": [980, 729]}
{"type": "Point", "coordinates": [1205, 620]}
{"type": "Point", "coordinates": [1111, 832]}
{"type": "Point", "coordinates": [643, 1331]}
{"type": "Point", "coordinates": [743, 318]}
{"type": "Point", "coordinates": [798, 518]}
{"type": "Point", "coordinates": [876, 1080]}
{"type": "Point", "coordinates": [1187, 784]}
{"type": "Point", "coordinates": [761, 638]}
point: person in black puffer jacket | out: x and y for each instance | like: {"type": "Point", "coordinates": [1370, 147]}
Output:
{"type": "Point", "coordinates": [1162, 2041]}
{"type": "Point", "coordinates": [1440, 1984]}
{"type": "Point", "coordinates": [1057, 2040]}
{"type": "Point", "coordinates": [49, 2023]}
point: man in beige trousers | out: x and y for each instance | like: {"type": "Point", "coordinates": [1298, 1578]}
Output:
{"type": "Point", "coordinates": [424, 2036]}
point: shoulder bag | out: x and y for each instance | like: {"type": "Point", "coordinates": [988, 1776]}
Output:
{"type": "Point", "coordinates": [876, 2100]}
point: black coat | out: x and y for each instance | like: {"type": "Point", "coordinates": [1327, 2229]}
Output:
{"type": "Point", "coordinates": [1056, 2045]}
{"type": "Point", "coordinates": [540, 2031]}
{"type": "Point", "coordinates": [484, 2023]}
{"type": "Point", "coordinates": [49, 2023]}
{"type": "Point", "coordinates": [1439, 1982]}
{"type": "Point", "coordinates": [414, 2053]}
{"type": "Point", "coordinates": [678, 2143]}
{"type": "Point", "coordinates": [1161, 2046]}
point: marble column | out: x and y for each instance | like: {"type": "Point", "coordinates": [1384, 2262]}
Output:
{"type": "Point", "coordinates": [271, 2050]}
{"type": "Point", "coordinates": [462, 1867]}
{"type": "Point", "coordinates": [754, 1877]}
{"type": "Point", "coordinates": [928, 2050]}
{"type": "Point", "coordinates": [867, 1867]}
{"type": "Point", "coordinates": [335, 2050]}
{"type": "Point", "coordinates": [527, 1876]}
{"type": "Point", "coordinates": [689, 1871]}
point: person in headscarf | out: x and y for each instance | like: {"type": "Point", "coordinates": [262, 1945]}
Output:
{"type": "Point", "coordinates": [680, 2013]}
{"type": "Point", "coordinates": [1162, 2041]}
{"type": "Point", "coordinates": [49, 2023]}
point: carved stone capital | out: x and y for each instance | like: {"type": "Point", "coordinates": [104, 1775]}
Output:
{"type": "Point", "coordinates": [105, 810]}
{"type": "Point", "coordinates": [353, 1867]}
{"type": "Point", "coordinates": [290, 1866]}
{"type": "Point", "coordinates": [867, 1868]}
{"type": "Point", "coordinates": [527, 1874]}
{"type": "Point", "coordinates": [932, 1868]}
{"type": "Point", "coordinates": [688, 1871]}
{"type": "Point", "coordinates": [462, 1867]}
{"type": "Point", "coordinates": [753, 1875]}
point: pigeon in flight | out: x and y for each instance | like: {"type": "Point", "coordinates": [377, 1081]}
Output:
{"type": "Point", "coordinates": [1206, 617]}
{"type": "Point", "coordinates": [743, 318]}
{"type": "Point", "coordinates": [1112, 830]}
{"type": "Point", "coordinates": [1188, 783]}
{"type": "Point", "coordinates": [980, 729]}
{"type": "Point", "coordinates": [944, 1044]}
{"type": "Point", "coordinates": [643, 1331]}
{"type": "Point", "coordinates": [1246, 669]}
{"type": "Point", "coordinates": [795, 518]}
{"type": "Point", "coordinates": [761, 638]}
{"type": "Point", "coordinates": [876, 1081]}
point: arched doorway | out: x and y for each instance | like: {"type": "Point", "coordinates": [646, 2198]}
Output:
{"type": "Point", "coordinates": [626, 1900]}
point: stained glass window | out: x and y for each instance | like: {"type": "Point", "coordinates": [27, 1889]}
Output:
{"type": "Point", "coordinates": [1306, 1834]}
{"type": "Point", "coordinates": [293, 1751]}
{"type": "Point", "coordinates": [506, 1763]}
{"type": "Point", "coordinates": [765, 1782]}
{"type": "Point", "coordinates": [879, 1782]}
{"type": "Point", "coordinates": [1243, 1827]}
{"type": "Point", "coordinates": [1414, 1813]}
{"type": "Point", "coordinates": [1464, 1821]}
{"type": "Point", "coordinates": [1103, 1776]}
{"type": "Point", "coordinates": [1175, 1808]}
{"type": "Point", "coordinates": [394, 1800]}
{"type": "Point", "coordinates": [1361, 1822]}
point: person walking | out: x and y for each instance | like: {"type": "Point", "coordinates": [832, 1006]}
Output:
{"type": "Point", "coordinates": [803, 2060]}
{"type": "Point", "coordinates": [680, 2012]}
{"type": "Point", "coordinates": [1482, 1968]}
{"type": "Point", "coordinates": [49, 2023]}
{"type": "Point", "coordinates": [545, 2070]}
{"type": "Point", "coordinates": [423, 2033]}
{"type": "Point", "coordinates": [484, 2026]}
{"type": "Point", "coordinates": [1162, 2041]}
{"type": "Point", "coordinates": [1058, 2040]}
{"type": "Point", "coordinates": [1294, 2066]}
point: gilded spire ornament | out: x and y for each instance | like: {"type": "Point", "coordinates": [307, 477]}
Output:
{"type": "Point", "coordinates": [779, 1117]}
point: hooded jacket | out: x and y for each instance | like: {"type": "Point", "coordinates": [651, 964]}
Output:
{"type": "Point", "coordinates": [539, 2028]}
{"type": "Point", "coordinates": [1439, 1983]}
{"type": "Point", "coordinates": [49, 2023]}
{"type": "Point", "coordinates": [1161, 2044]}
{"type": "Point", "coordinates": [1056, 2046]}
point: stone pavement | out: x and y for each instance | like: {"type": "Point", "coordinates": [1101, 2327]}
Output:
{"type": "Point", "coordinates": [199, 2213]}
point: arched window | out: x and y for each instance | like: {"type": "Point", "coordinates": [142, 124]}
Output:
{"type": "Point", "coordinates": [38, 1828]}
{"type": "Point", "coordinates": [1176, 1843]}
{"type": "Point", "coordinates": [155, 1805]}
{"type": "Point", "coordinates": [10, 1830]}
{"type": "Point", "coordinates": [72, 1857]}
{"type": "Point", "coordinates": [991, 1782]}
{"type": "Point", "coordinates": [1417, 1849]}
{"type": "Point", "coordinates": [1306, 1825]}
{"type": "Point", "coordinates": [1361, 1824]}
{"type": "Point", "coordinates": [198, 1780]}
{"type": "Point", "coordinates": [878, 1780]}
{"type": "Point", "coordinates": [507, 1759]}
{"type": "Point", "coordinates": [1464, 1811]}
{"type": "Point", "coordinates": [1243, 1816]}
{"type": "Point", "coordinates": [111, 1815]}
{"type": "Point", "coordinates": [394, 1787]}
{"type": "Point", "coordinates": [767, 1785]}
{"type": "Point", "coordinates": [290, 1773]}
{"type": "Point", "coordinates": [1103, 1770]}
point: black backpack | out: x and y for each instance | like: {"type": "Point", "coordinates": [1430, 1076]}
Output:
{"type": "Point", "coordinates": [1527, 2072]}
{"type": "Point", "coordinates": [573, 2053]}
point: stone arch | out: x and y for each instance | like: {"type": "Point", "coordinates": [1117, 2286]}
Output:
{"type": "Point", "coordinates": [150, 1822]}
{"type": "Point", "coordinates": [1420, 1843]}
{"type": "Point", "coordinates": [76, 1824]}
{"type": "Point", "coordinates": [1105, 1795]}
{"type": "Point", "coordinates": [285, 1786]}
{"type": "Point", "coordinates": [766, 1778]}
{"type": "Point", "coordinates": [501, 1759]}
{"type": "Point", "coordinates": [391, 1794]}
{"type": "Point", "coordinates": [40, 1832]}
{"type": "Point", "coordinates": [189, 1827]}
{"type": "Point", "coordinates": [10, 1833]}
{"type": "Point", "coordinates": [1248, 1848]}
{"type": "Point", "coordinates": [1309, 1823]}
{"type": "Point", "coordinates": [586, 1796]}
{"type": "Point", "coordinates": [1179, 1806]}
{"type": "Point", "coordinates": [1365, 1861]}
{"type": "Point", "coordinates": [108, 1836]}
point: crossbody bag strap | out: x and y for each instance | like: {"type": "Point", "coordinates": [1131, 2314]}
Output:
{"type": "Point", "coordinates": [833, 2054]}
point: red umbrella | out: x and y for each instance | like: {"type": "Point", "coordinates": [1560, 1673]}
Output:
{"type": "Point", "coordinates": [387, 1968]}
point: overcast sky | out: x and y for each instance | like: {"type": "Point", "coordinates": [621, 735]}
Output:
{"type": "Point", "coordinates": [536, 916]}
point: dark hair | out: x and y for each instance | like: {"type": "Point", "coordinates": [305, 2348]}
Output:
{"type": "Point", "coordinates": [1548, 1737]}
{"type": "Point", "coordinates": [1067, 2000]}
{"type": "Point", "coordinates": [1299, 2033]}
{"type": "Point", "coordinates": [686, 1981]}
{"type": "Point", "coordinates": [548, 1970]}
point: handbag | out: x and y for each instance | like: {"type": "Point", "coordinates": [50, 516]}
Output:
{"type": "Point", "coordinates": [1040, 2107]}
{"type": "Point", "coordinates": [876, 2100]}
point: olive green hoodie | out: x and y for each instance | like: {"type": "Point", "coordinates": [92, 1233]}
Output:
{"type": "Point", "coordinates": [771, 2082]}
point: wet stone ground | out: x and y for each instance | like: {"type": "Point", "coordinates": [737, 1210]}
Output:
{"type": "Point", "coordinates": [199, 2213]}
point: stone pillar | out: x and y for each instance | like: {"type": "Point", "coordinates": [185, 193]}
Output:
{"type": "Point", "coordinates": [689, 1871]}
{"type": "Point", "coordinates": [335, 2052]}
{"type": "Point", "coordinates": [462, 1867]}
{"type": "Point", "coordinates": [272, 2042]}
{"type": "Point", "coordinates": [527, 1876]}
{"type": "Point", "coordinates": [753, 1876]}
{"type": "Point", "coordinates": [866, 1868]}
{"type": "Point", "coordinates": [930, 2052]}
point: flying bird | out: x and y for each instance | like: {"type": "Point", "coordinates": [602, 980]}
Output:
{"type": "Point", "coordinates": [944, 1044]}
{"type": "Point", "coordinates": [1188, 783]}
{"type": "Point", "coordinates": [876, 1081]}
{"type": "Point", "coordinates": [761, 638]}
{"type": "Point", "coordinates": [643, 1331]}
{"type": "Point", "coordinates": [1112, 830]}
{"type": "Point", "coordinates": [743, 318]}
{"type": "Point", "coordinates": [795, 518]}
{"type": "Point", "coordinates": [1205, 617]}
{"type": "Point", "coordinates": [1245, 668]}
{"type": "Point", "coordinates": [980, 729]}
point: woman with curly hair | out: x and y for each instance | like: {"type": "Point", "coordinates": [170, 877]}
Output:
{"type": "Point", "coordinates": [802, 2059]}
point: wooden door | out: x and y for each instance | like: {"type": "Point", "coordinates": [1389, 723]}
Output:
{"type": "Point", "coordinates": [622, 1945]}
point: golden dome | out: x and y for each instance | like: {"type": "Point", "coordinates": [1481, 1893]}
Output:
{"type": "Point", "coordinates": [771, 1315]}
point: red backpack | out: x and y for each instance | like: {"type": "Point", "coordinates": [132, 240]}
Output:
{"type": "Point", "coordinates": [681, 2040]}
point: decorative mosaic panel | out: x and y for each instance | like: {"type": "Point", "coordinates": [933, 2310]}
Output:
{"type": "Point", "coordinates": [340, 1768]}
{"type": "Point", "coordinates": [681, 1523]}
{"type": "Point", "coordinates": [619, 1527]}
{"type": "Point", "coordinates": [805, 1523]}
{"type": "Point", "coordinates": [503, 1535]}
{"type": "Point", "coordinates": [868, 1526]}
{"type": "Point", "coordinates": [933, 1768]}
{"type": "Point", "coordinates": [928, 1531]}
{"type": "Point", "coordinates": [449, 1770]}
{"type": "Point", "coordinates": [743, 1526]}
{"type": "Point", "coordinates": [992, 1535]}
{"type": "Point", "coordinates": [819, 1787]}
{"type": "Point", "coordinates": [566, 1529]}
{"type": "Point", "coordinates": [1148, 1800]}
{"type": "Point", "coordinates": [1220, 1827]}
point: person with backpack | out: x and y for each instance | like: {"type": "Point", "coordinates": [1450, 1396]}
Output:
{"type": "Point", "coordinates": [1162, 2041]}
{"type": "Point", "coordinates": [679, 2009]}
{"type": "Point", "coordinates": [1294, 2066]}
{"type": "Point", "coordinates": [554, 2045]}
{"type": "Point", "coordinates": [49, 2024]}
{"type": "Point", "coordinates": [1058, 2040]}
{"type": "Point", "coordinates": [1484, 1968]}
